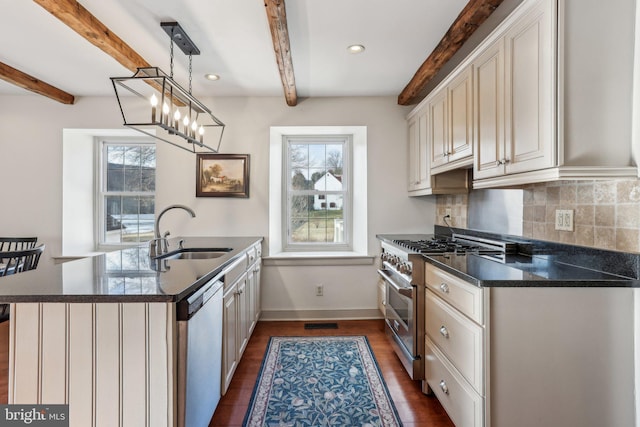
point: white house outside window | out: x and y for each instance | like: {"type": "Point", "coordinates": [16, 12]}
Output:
{"type": "Point", "coordinates": [318, 192]}
{"type": "Point", "coordinates": [127, 193]}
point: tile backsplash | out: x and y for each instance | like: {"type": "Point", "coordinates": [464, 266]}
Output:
{"type": "Point", "coordinates": [606, 214]}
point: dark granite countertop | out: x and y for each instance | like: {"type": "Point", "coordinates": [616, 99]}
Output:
{"type": "Point", "coordinates": [127, 275]}
{"type": "Point", "coordinates": [537, 263]}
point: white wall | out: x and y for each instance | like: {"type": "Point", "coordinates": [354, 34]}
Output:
{"type": "Point", "coordinates": [31, 161]}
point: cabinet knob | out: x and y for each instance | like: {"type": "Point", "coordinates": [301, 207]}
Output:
{"type": "Point", "coordinates": [444, 332]}
{"type": "Point", "coordinates": [444, 288]}
{"type": "Point", "coordinates": [443, 387]}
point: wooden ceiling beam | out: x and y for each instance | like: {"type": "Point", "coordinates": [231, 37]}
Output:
{"type": "Point", "coordinates": [74, 15]}
{"type": "Point", "coordinates": [277, 17]}
{"type": "Point", "coordinates": [471, 17]}
{"type": "Point", "coordinates": [25, 81]}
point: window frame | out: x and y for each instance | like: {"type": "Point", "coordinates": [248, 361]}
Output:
{"type": "Point", "coordinates": [288, 192]}
{"type": "Point", "coordinates": [101, 192]}
{"type": "Point", "coordinates": [359, 243]}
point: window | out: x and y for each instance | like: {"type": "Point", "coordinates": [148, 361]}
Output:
{"type": "Point", "coordinates": [317, 169]}
{"type": "Point", "coordinates": [318, 216]}
{"type": "Point", "coordinates": [127, 193]}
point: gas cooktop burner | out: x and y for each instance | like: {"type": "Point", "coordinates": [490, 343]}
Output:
{"type": "Point", "coordinates": [456, 244]}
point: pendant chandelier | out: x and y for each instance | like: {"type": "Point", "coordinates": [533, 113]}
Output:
{"type": "Point", "coordinates": [152, 102]}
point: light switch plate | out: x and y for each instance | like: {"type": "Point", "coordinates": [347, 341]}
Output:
{"type": "Point", "coordinates": [564, 219]}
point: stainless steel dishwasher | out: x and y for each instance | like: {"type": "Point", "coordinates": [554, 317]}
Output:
{"type": "Point", "coordinates": [199, 354]}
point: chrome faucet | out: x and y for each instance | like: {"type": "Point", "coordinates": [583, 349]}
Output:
{"type": "Point", "coordinates": [159, 244]}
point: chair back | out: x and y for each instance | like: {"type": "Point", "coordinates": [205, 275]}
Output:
{"type": "Point", "coordinates": [13, 262]}
{"type": "Point", "coordinates": [8, 244]}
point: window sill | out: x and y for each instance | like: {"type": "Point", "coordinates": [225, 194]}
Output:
{"type": "Point", "coordinates": [318, 258]}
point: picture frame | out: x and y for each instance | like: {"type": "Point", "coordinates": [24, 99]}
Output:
{"type": "Point", "coordinates": [222, 175]}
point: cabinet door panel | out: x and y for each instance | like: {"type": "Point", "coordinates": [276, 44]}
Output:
{"type": "Point", "coordinates": [438, 134]}
{"type": "Point", "coordinates": [530, 139]}
{"type": "Point", "coordinates": [414, 158]}
{"type": "Point", "coordinates": [229, 337]}
{"type": "Point", "coordinates": [460, 112]}
{"type": "Point", "coordinates": [489, 112]}
{"type": "Point", "coordinates": [419, 175]}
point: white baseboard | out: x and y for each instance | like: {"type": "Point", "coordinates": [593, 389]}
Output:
{"type": "Point", "coordinates": [356, 314]}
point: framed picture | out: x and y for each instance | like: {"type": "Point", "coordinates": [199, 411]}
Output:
{"type": "Point", "coordinates": [222, 175]}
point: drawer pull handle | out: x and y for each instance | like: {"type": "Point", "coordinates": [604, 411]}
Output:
{"type": "Point", "coordinates": [444, 288]}
{"type": "Point", "coordinates": [444, 332]}
{"type": "Point", "coordinates": [443, 387]}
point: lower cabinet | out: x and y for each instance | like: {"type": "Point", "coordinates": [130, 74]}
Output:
{"type": "Point", "coordinates": [241, 310]}
{"type": "Point", "coordinates": [455, 346]}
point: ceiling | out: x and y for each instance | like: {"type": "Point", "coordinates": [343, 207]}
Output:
{"type": "Point", "coordinates": [235, 43]}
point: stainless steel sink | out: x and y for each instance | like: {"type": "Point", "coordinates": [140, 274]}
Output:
{"type": "Point", "coordinates": [195, 253]}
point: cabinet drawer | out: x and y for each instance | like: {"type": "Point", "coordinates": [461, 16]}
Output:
{"type": "Point", "coordinates": [251, 255]}
{"type": "Point", "coordinates": [459, 338]}
{"type": "Point", "coordinates": [460, 294]}
{"type": "Point", "coordinates": [464, 406]}
{"type": "Point", "coordinates": [233, 271]}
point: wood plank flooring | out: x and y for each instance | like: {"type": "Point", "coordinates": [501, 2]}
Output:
{"type": "Point", "coordinates": [415, 409]}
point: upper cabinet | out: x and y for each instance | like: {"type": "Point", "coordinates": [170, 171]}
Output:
{"type": "Point", "coordinates": [422, 181]}
{"type": "Point", "coordinates": [515, 96]}
{"type": "Point", "coordinates": [520, 107]}
{"type": "Point", "coordinates": [419, 176]}
{"type": "Point", "coordinates": [450, 114]}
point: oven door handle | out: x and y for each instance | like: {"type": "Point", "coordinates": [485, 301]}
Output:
{"type": "Point", "coordinates": [407, 292]}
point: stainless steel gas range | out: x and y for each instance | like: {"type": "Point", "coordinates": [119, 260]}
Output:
{"type": "Point", "coordinates": [402, 268]}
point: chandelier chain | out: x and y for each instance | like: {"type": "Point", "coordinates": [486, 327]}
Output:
{"type": "Point", "coordinates": [171, 55]}
{"type": "Point", "coordinates": [190, 71]}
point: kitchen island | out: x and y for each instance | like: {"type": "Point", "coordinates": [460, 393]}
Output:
{"type": "Point", "coordinates": [101, 334]}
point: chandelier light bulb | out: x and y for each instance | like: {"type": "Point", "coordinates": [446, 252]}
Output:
{"type": "Point", "coordinates": [165, 113]}
{"type": "Point", "coordinates": [176, 119]}
{"type": "Point", "coordinates": [185, 122]}
{"type": "Point", "coordinates": [194, 128]}
{"type": "Point", "coordinates": [154, 104]}
{"type": "Point", "coordinates": [201, 133]}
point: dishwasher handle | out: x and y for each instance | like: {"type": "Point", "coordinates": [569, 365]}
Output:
{"type": "Point", "coordinates": [188, 307]}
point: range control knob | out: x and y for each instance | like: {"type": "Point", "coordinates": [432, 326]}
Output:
{"type": "Point", "coordinates": [408, 268]}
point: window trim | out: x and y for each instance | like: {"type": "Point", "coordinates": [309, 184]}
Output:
{"type": "Point", "coordinates": [359, 243]}
{"type": "Point", "coordinates": [100, 193]}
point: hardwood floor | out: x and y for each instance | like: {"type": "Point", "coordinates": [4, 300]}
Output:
{"type": "Point", "coordinates": [415, 409]}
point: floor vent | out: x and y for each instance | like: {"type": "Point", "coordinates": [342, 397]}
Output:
{"type": "Point", "coordinates": [321, 326]}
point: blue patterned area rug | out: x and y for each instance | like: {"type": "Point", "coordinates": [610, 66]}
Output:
{"type": "Point", "coordinates": [320, 381]}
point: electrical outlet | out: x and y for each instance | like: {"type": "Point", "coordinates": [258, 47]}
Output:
{"type": "Point", "coordinates": [319, 290]}
{"type": "Point", "coordinates": [564, 219]}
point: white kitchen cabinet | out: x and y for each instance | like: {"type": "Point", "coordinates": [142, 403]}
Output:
{"type": "Point", "coordinates": [230, 345]}
{"type": "Point", "coordinates": [455, 345]}
{"type": "Point", "coordinates": [530, 121]}
{"type": "Point", "coordinates": [419, 174]}
{"type": "Point", "coordinates": [241, 309]}
{"type": "Point", "coordinates": [515, 95]}
{"type": "Point", "coordinates": [421, 181]}
{"type": "Point", "coordinates": [254, 288]}
{"type": "Point", "coordinates": [450, 118]}
{"type": "Point", "coordinates": [535, 358]}
{"type": "Point", "coordinates": [488, 98]}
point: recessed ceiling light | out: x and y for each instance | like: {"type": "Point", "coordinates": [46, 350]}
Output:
{"type": "Point", "coordinates": [212, 77]}
{"type": "Point", "coordinates": [355, 48]}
